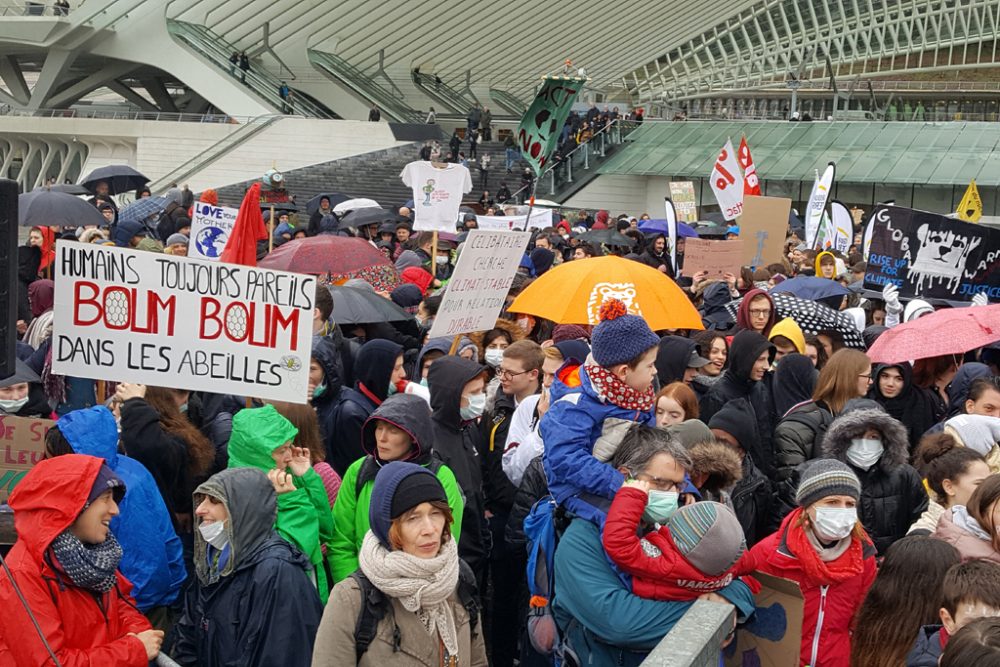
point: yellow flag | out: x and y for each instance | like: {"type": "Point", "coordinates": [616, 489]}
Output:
{"type": "Point", "coordinates": [970, 208]}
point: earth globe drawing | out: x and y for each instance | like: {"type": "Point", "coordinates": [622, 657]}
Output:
{"type": "Point", "coordinates": [210, 242]}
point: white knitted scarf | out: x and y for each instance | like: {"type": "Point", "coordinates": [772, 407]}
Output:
{"type": "Point", "coordinates": [422, 585]}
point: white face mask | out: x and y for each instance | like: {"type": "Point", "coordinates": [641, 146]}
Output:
{"type": "Point", "coordinates": [475, 408]}
{"type": "Point", "coordinates": [441, 260]}
{"type": "Point", "coordinates": [12, 406]}
{"type": "Point", "coordinates": [493, 357]}
{"type": "Point", "coordinates": [214, 533]}
{"type": "Point", "coordinates": [834, 523]}
{"type": "Point", "coordinates": [865, 452]}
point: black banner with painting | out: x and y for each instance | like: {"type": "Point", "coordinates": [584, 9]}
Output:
{"type": "Point", "coordinates": [929, 256]}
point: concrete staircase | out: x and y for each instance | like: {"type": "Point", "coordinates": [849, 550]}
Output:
{"type": "Point", "coordinates": [376, 175]}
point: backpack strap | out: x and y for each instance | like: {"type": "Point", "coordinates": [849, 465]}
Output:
{"type": "Point", "coordinates": [366, 473]}
{"type": "Point", "coordinates": [468, 594]}
{"type": "Point", "coordinates": [374, 606]}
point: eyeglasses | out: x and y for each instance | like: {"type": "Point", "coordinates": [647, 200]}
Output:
{"type": "Point", "coordinates": [760, 313]}
{"type": "Point", "coordinates": [505, 374]}
{"type": "Point", "coordinates": [867, 377]}
{"type": "Point", "coordinates": [659, 484]}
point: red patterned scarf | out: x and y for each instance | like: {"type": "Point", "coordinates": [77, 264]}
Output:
{"type": "Point", "coordinates": [849, 564]}
{"type": "Point", "coordinates": [612, 390]}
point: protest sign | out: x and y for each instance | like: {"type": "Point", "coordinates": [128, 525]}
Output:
{"type": "Point", "coordinates": [540, 219]}
{"type": "Point", "coordinates": [715, 257]}
{"type": "Point", "coordinates": [478, 288]}
{"type": "Point", "coordinates": [774, 637]}
{"type": "Point", "coordinates": [817, 204]}
{"type": "Point", "coordinates": [929, 256]}
{"type": "Point", "coordinates": [763, 226]}
{"type": "Point", "coordinates": [210, 229]}
{"type": "Point", "coordinates": [685, 202]}
{"type": "Point", "coordinates": [23, 442]}
{"type": "Point", "coordinates": [723, 179]}
{"type": "Point", "coordinates": [154, 319]}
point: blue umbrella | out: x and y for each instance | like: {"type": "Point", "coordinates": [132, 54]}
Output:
{"type": "Point", "coordinates": [684, 230]}
{"type": "Point", "coordinates": [141, 209]}
{"type": "Point", "coordinates": [810, 287]}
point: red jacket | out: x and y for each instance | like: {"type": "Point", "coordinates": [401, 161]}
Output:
{"type": "Point", "coordinates": [839, 602]}
{"type": "Point", "coordinates": [666, 576]}
{"type": "Point", "coordinates": [45, 503]}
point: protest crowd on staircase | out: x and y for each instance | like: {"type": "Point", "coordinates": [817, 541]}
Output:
{"type": "Point", "coordinates": [503, 436]}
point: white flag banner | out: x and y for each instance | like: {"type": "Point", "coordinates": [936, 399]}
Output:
{"type": "Point", "coordinates": [671, 213]}
{"type": "Point", "coordinates": [878, 215]}
{"type": "Point", "coordinates": [817, 204]}
{"type": "Point", "coordinates": [210, 229]}
{"type": "Point", "coordinates": [843, 226]}
{"type": "Point", "coordinates": [727, 182]}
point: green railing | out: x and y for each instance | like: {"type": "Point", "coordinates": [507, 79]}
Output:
{"type": "Point", "coordinates": [388, 101]}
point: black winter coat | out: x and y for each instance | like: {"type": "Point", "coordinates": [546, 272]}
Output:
{"type": "Point", "coordinates": [798, 438]}
{"type": "Point", "coordinates": [534, 486]}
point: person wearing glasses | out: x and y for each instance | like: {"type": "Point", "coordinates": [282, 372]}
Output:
{"type": "Point", "coordinates": [756, 313]}
{"type": "Point", "coordinates": [798, 437]}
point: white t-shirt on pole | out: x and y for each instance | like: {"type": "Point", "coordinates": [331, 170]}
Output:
{"type": "Point", "coordinates": [437, 194]}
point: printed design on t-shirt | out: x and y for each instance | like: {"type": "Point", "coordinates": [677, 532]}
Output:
{"type": "Point", "coordinates": [433, 194]}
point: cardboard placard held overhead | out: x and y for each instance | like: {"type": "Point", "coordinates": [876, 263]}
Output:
{"type": "Point", "coordinates": [774, 637]}
{"type": "Point", "coordinates": [715, 257]}
{"type": "Point", "coordinates": [22, 440]}
{"type": "Point", "coordinates": [763, 227]}
{"type": "Point", "coordinates": [478, 288]}
{"type": "Point", "coordinates": [183, 323]}
{"type": "Point", "coordinates": [210, 229]}
{"type": "Point", "coordinates": [685, 201]}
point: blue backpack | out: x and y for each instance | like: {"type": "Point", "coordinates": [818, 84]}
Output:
{"type": "Point", "coordinates": [540, 529]}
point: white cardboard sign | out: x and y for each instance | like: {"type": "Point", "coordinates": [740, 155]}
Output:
{"type": "Point", "coordinates": [210, 229]}
{"type": "Point", "coordinates": [149, 318]}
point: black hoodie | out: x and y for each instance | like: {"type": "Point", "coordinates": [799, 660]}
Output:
{"type": "Point", "coordinates": [672, 358]}
{"type": "Point", "coordinates": [915, 407]}
{"type": "Point", "coordinates": [714, 314]}
{"type": "Point", "coordinates": [373, 370]}
{"type": "Point", "coordinates": [325, 354]}
{"type": "Point", "coordinates": [457, 444]}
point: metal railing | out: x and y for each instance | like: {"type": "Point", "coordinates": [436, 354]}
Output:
{"type": "Point", "coordinates": [261, 82]}
{"type": "Point", "coordinates": [214, 152]}
{"type": "Point", "coordinates": [35, 9]}
{"type": "Point", "coordinates": [439, 90]}
{"type": "Point", "coordinates": [508, 101]}
{"type": "Point", "coordinates": [584, 157]}
{"type": "Point", "coordinates": [388, 101]}
{"type": "Point", "coordinates": [123, 114]}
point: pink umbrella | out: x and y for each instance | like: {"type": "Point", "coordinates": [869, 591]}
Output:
{"type": "Point", "coordinates": [947, 331]}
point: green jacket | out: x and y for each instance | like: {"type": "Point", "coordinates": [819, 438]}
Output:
{"type": "Point", "coordinates": [350, 517]}
{"type": "Point", "coordinates": [304, 515]}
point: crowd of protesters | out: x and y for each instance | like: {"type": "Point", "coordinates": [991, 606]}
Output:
{"type": "Point", "coordinates": [533, 494]}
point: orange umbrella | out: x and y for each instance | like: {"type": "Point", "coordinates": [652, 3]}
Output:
{"type": "Point", "coordinates": [572, 293]}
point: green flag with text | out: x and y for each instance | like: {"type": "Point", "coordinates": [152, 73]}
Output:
{"type": "Point", "coordinates": [542, 124]}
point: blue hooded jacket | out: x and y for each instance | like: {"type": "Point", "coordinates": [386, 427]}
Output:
{"type": "Point", "coordinates": [151, 551]}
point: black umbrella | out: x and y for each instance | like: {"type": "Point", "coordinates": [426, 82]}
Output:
{"type": "Point", "coordinates": [67, 188]}
{"type": "Point", "coordinates": [608, 237]}
{"type": "Point", "coordinates": [361, 306]}
{"type": "Point", "coordinates": [363, 217]}
{"type": "Point", "coordinates": [45, 208]}
{"type": "Point", "coordinates": [119, 177]}
{"type": "Point", "coordinates": [22, 374]}
{"type": "Point", "coordinates": [335, 198]}
{"type": "Point", "coordinates": [812, 317]}
{"type": "Point", "coordinates": [280, 207]}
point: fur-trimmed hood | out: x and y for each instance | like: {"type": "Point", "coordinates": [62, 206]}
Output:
{"type": "Point", "coordinates": [720, 462]}
{"type": "Point", "coordinates": [854, 424]}
{"type": "Point", "coordinates": [515, 332]}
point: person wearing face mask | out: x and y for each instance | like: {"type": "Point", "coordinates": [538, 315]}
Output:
{"type": "Point", "coordinates": [458, 400]}
{"type": "Point", "coordinates": [823, 548]}
{"type": "Point", "coordinates": [65, 563]}
{"type": "Point", "coordinates": [875, 447]}
{"type": "Point", "coordinates": [21, 394]}
{"type": "Point", "coordinates": [412, 601]}
{"type": "Point", "coordinates": [324, 389]}
{"type": "Point", "coordinates": [263, 439]}
{"type": "Point", "coordinates": [251, 602]}
{"type": "Point", "coordinates": [399, 430]}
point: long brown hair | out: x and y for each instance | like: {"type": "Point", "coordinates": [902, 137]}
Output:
{"type": "Point", "coordinates": [980, 507]}
{"type": "Point", "coordinates": [684, 396]}
{"type": "Point", "coordinates": [303, 417]}
{"type": "Point", "coordinates": [838, 381]}
{"type": "Point", "coordinates": [201, 453]}
{"type": "Point", "coordinates": [905, 596]}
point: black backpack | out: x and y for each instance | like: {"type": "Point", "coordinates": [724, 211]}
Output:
{"type": "Point", "coordinates": [375, 605]}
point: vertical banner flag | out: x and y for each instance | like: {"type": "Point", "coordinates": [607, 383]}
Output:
{"type": "Point", "coordinates": [817, 204]}
{"type": "Point", "coordinates": [879, 216]}
{"type": "Point", "coordinates": [210, 230]}
{"type": "Point", "coordinates": [843, 226]}
{"type": "Point", "coordinates": [122, 314]}
{"type": "Point", "coordinates": [970, 208]}
{"type": "Point", "coordinates": [725, 173]}
{"type": "Point", "coordinates": [751, 184]}
{"type": "Point", "coordinates": [539, 130]}
{"type": "Point", "coordinates": [684, 199]}
{"type": "Point", "coordinates": [671, 232]}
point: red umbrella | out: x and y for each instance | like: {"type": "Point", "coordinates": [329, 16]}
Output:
{"type": "Point", "coordinates": [241, 248]}
{"type": "Point", "coordinates": [947, 331]}
{"type": "Point", "coordinates": [337, 258]}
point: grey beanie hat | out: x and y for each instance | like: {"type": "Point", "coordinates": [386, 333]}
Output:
{"type": "Point", "coordinates": [690, 432]}
{"type": "Point", "coordinates": [708, 535]}
{"type": "Point", "coordinates": [175, 239]}
{"type": "Point", "coordinates": [826, 477]}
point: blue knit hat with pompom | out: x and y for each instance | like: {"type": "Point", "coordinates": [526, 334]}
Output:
{"type": "Point", "coordinates": [619, 337]}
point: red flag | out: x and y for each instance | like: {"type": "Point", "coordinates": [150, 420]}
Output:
{"type": "Point", "coordinates": [751, 185]}
{"type": "Point", "coordinates": [241, 248]}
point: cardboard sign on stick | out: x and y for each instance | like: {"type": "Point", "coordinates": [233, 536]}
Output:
{"type": "Point", "coordinates": [23, 442]}
{"type": "Point", "coordinates": [478, 288]}
{"type": "Point", "coordinates": [763, 227]}
{"type": "Point", "coordinates": [685, 201]}
{"type": "Point", "coordinates": [148, 318]}
{"type": "Point", "coordinates": [210, 229]}
{"type": "Point", "coordinates": [774, 637]}
{"type": "Point", "coordinates": [716, 257]}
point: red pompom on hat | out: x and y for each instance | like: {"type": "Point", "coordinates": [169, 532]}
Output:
{"type": "Point", "coordinates": [612, 309]}
{"type": "Point", "coordinates": [620, 337]}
